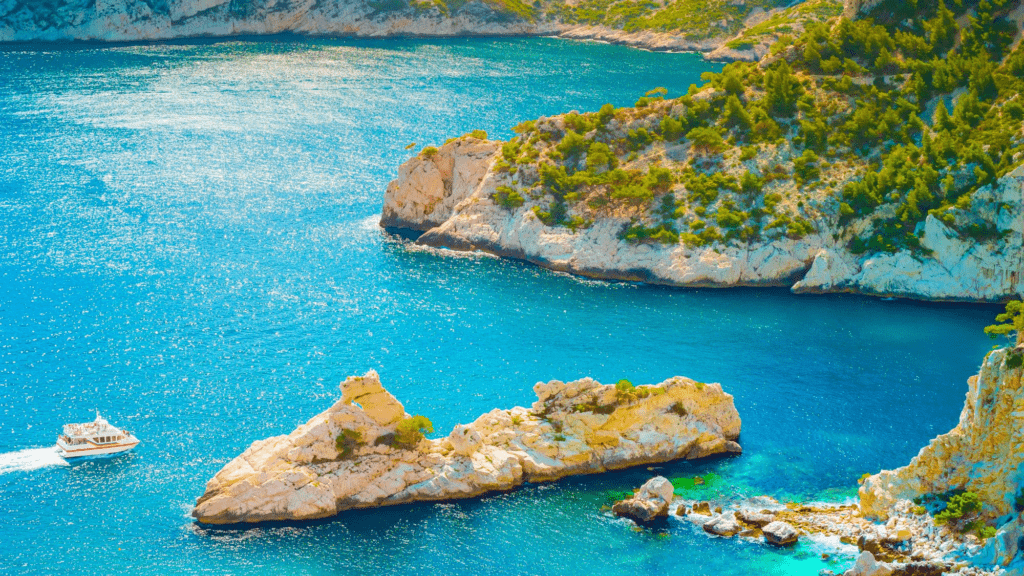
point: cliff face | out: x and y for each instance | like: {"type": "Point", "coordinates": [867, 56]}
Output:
{"type": "Point", "coordinates": [125, 20]}
{"type": "Point", "coordinates": [983, 454]}
{"type": "Point", "coordinates": [715, 32]}
{"type": "Point", "coordinates": [576, 428]}
{"type": "Point", "coordinates": [451, 198]}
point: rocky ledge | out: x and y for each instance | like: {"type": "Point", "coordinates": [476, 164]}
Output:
{"type": "Point", "coordinates": [357, 453]}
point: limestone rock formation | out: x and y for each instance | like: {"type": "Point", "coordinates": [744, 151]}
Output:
{"type": "Point", "coordinates": [723, 525]}
{"type": "Point", "coordinates": [780, 534]}
{"type": "Point", "coordinates": [127, 20]}
{"type": "Point", "coordinates": [450, 197]}
{"type": "Point", "coordinates": [349, 457]}
{"type": "Point", "coordinates": [984, 453]}
{"type": "Point", "coordinates": [649, 503]}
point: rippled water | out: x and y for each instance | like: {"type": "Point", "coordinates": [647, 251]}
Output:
{"type": "Point", "coordinates": [188, 243]}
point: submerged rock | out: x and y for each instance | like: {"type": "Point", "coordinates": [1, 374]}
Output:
{"type": "Point", "coordinates": [348, 457]}
{"type": "Point", "coordinates": [780, 534]}
{"type": "Point", "coordinates": [649, 503]}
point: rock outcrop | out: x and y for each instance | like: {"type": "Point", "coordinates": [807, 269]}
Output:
{"type": "Point", "coordinates": [450, 198]}
{"type": "Point", "coordinates": [649, 503]}
{"type": "Point", "coordinates": [780, 534]}
{"type": "Point", "coordinates": [349, 455]}
{"type": "Point", "coordinates": [984, 453]}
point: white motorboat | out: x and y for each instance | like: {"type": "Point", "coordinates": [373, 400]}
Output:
{"type": "Point", "coordinates": [93, 439]}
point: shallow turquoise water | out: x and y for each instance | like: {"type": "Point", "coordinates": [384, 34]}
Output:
{"type": "Point", "coordinates": [189, 244]}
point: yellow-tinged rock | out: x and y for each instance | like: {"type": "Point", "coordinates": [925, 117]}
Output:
{"type": "Point", "coordinates": [981, 454]}
{"type": "Point", "coordinates": [302, 476]}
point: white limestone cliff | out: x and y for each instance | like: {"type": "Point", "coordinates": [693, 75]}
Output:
{"type": "Point", "coordinates": [132, 20]}
{"type": "Point", "coordinates": [579, 427]}
{"type": "Point", "coordinates": [984, 453]}
{"type": "Point", "coordinates": [465, 217]}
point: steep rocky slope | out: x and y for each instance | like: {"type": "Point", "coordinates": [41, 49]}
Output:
{"type": "Point", "coordinates": [365, 451]}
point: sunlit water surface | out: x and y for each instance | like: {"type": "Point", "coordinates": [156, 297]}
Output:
{"type": "Point", "coordinates": [188, 243]}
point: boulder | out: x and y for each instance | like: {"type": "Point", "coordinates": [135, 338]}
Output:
{"type": "Point", "coordinates": [759, 519]}
{"type": "Point", "coordinates": [867, 566]}
{"type": "Point", "coordinates": [918, 569]}
{"type": "Point", "coordinates": [780, 534]}
{"type": "Point", "coordinates": [723, 525]}
{"type": "Point", "coordinates": [703, 508]}
{"type": "Point", "coordinates": [649, 503]}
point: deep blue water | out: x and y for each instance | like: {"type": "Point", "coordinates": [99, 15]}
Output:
{"type": "Point", "coordinates": [188, 242]}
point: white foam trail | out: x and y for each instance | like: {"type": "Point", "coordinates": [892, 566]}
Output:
{"type": "Point", "coordinates": [30, 459]}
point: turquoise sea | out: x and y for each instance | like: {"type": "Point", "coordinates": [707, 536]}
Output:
{"type": "Point", "coordinates": [189, 243]}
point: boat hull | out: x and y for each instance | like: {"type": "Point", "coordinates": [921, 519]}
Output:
{"type": "Point", "coordinates": [83, 451]}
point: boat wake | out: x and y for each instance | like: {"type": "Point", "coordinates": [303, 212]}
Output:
{"type": "Point", "coordinates": [30, 459]}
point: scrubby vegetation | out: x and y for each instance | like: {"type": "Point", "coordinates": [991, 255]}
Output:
{"type": "Point", "coordinates": [1010, 324]}
{"type": "Point", "coordinates": [410, 431]}
{"type": "Point", "coordinates": [347, 442]}
{"type": "Point", "coordinates": [867, 127]}
{"type": "Point", "coordinates": [407, 434]}
{"type": "Point", "coordinates": [959, 510]}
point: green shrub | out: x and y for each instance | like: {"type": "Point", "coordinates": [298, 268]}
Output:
{"type": "Point", "coordinates": [625, 391]}
{"type": "Point", "coordinates": [1011, 322]}
{"type": "Point", "coordinates": [706, 140]}
{"type": "Point", "coordinates": [678, 409]}
{"type": "Point", "coordinates": [479, 134]}
{"type": "Point", "coordinates": [347, 442]}
{"type": "Point", "coordinates": [600, 157]}
{"type": "Point", "coordinates": [573, 145]}
{"type": "Point", "coordinates": [507, 197]}
{"type": "Point", "coordinates": [410, 431]}
{"type": "Point", "coordinates": [428, 152]}
{"type": "Point", "coordinates": [960, 507]}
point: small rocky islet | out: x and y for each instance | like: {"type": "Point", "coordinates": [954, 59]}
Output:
{"type": "Point", "coordinates": [365, 451]}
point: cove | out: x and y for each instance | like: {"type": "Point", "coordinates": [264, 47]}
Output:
{"type": "Point", "coordinates": [189, 244]}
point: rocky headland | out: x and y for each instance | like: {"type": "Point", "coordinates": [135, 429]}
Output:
{"type": "Point", "coordinates": [453, 197]}
{"type": "Point", "coordinates": [365, 451]}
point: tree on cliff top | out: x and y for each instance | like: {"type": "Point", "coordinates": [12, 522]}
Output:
{"type": "Point", "coordinates": [1011, 322]}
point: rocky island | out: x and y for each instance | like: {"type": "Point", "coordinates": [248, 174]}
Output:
{"type": "Point", "coordinates": [834, 164]}
{"type": "Point", "coordinates": [365, 451]}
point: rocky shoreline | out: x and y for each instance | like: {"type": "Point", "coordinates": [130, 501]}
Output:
{"type": "Point", "coordinates": [908, 521]}
{"type": "Point", "coordinates": [127, 21]}
{"type": "Point", "coordinates": [450, 198]}
{"type": "Point", "coordinates": [361, 452]}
